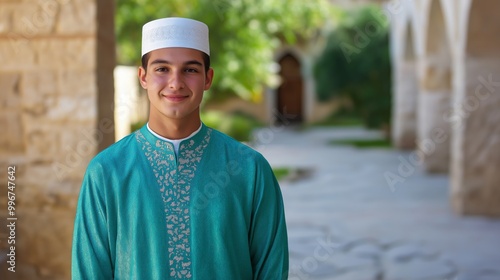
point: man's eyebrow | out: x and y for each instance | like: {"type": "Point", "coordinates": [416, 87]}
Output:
{"type": "Point", "coordinates": [189, 62]}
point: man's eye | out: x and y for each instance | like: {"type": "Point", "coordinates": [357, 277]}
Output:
{"type": "Point", "coordinates": [191, 70]}
{"type": "Point", "coordinates": [161, 69]}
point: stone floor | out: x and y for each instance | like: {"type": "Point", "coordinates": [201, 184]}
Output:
{"type": "Point", "coordinates": [345, 220]}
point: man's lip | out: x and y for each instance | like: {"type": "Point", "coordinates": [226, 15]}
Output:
{"type": "Point", "coordinates": [175, 98]}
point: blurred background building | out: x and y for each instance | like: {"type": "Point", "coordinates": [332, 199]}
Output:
{"type": "Point", "coordinates": [426, 72]}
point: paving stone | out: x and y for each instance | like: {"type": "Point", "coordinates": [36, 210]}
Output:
{"type": "Point", "coordinates": [418, 269]}
{"type": "Point", "coordinates": [305, 231]}
{"type": "Point", "coordinates": [348, 197]}
{"type": "Point", "coordinates": [303, 247]}
{"type": "Point", "coordinates": [406, 252]}
{"type": "Point", "coordinates": [351, 262]}
{"type": "Point", "coordinates": [369, 250]}
{"type": "Point", "coordinates": [363, 274]}
{"type": "Point", "coordinates": [478, 275]}
{"type": "Point", "coordinates": [312, 269]}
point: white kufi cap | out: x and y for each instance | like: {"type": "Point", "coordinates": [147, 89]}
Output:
{"type": "Point", "coordinates": [175, 33]}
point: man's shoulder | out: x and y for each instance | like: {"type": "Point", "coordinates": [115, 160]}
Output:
{"type": "Point", "coordinates": [235, 147]}
{"type": "Point", "coordinates": [115, 152]}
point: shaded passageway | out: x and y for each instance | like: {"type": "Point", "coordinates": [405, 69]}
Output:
{"type": "Point", "coordinates": [365, 214]}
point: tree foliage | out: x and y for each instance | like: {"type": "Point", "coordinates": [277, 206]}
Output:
{"type": "Point", "coordinates": [243, 35]}
{"type": "Point", "coordinates": [356, 64]}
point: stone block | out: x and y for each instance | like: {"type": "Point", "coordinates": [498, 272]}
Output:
{"type": "Point", "coordinates": [45, 237]}
{"type": "Point", "coordinates": [77, 17]}
{"type": "Point", "coordinates": [42, 142]}
{"type": "Point", "coordinates": [35, 18]}
{"type": "Point", "coordinates": [6, 11]}
{"type": "Point", "coordinates": [78, 97]}
{"type": "Point", "coordinates": [69, 54]}
{"type": "Point", "coordinates": [10, 97]}
{"type": "Point", "coordinates": [78, 146]}
{"type": "Point", "coordinates": [45, 191]}
{"type": "Point", "coordinates": [11, 142]}
{"type": "Point", "coordinates": [73, 108]}
{"type": "Point", "coordinates": [39, 92]}
{"type": "Point", "coordinates": [77, 83]}
{"type": "Point", "coordinates": [16, 54]}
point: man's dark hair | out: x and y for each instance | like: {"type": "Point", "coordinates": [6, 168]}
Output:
{"type": "Point", "coordinates": [206, 61]}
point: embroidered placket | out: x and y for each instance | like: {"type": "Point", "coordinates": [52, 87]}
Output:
{"type": "Point", "coordinates": [174, 181]}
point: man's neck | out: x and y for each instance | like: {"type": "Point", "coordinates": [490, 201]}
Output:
{"type": "Point", "coordinates": [173, 128]}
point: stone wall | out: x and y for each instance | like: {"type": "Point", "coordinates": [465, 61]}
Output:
{"type": "Point", "coordinates": [476, 120]}
{"type": "Point", "coordinates": [458, 116]}
{"type": "Point", "coordinates": [57, 60]}
{"type": "Point", "coordinates": [475, 172]}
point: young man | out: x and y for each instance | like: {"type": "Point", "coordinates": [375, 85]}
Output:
{"type": "Point", "coordinates": [177, 199]}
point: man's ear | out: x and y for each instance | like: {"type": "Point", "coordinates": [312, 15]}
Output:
{"type": "Point", "coordinates": [209, 78]}
{"type": "Point", "coordinates": [142, 77]}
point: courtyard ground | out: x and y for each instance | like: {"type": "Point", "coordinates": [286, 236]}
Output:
{"type": "Point", "coordinates": [347, 221]}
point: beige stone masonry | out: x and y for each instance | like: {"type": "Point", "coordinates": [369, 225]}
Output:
{"type": "Point", "coordinates": [458, 65]}
{"type": "Point", "coordinates": [476, 135]}
{"type": "Point", "coordinates": [56, 77]}
{"type": "Point", "coordinates": [432, 108]}
{"type": "Point", "coordinates": [404, 106]}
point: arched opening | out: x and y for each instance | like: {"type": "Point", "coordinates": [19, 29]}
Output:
{"type": "Point", "coordinates": [290, 92]}
{"type": "Point", "coordinates": [483, 30]}
{"type": "Point", "coordinates": [438, 52]}
{"type": "Point", "coordinates": [475, 176]}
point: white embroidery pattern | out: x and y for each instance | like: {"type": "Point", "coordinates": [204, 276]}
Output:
{"type": "Point", "coordinates": [175, 186]}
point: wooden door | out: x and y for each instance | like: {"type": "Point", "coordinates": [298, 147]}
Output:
{"type": "Point", "coordinates": [290, 92]}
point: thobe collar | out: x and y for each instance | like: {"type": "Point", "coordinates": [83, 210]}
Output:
{"type": "Point", "coordinates": [175, 142]}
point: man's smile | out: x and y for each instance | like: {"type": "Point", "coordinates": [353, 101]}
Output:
{"type": "Point", "coordinates": [175, 98]}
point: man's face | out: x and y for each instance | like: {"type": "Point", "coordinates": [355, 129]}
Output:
{"type": "Point", "coordinates": [175, 81]}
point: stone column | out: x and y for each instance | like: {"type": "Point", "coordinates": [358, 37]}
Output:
{"type": "Point", "coordinates": [435, 92]}
{"type": "Point", "coordinates": [475, 120]}
{"type": "Point", "coordinates": [433, 104]}
{"type": "Point", "coordinates": [405, 105]}
{"type": "Point", "coordinates": [404, 79]}
{"type": "Point", "coordinates": [57, 59]}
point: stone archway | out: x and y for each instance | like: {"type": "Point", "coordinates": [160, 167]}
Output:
{"type": "Point", "coordinates": [435, 92]}
{"type": "Point", "coordinates": [290, 93]}
{"type": "Point", "coordinates": [475, 120]}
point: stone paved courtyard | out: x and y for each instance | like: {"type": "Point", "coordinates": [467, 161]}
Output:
{"type": "Point", "coordinates": [346, 222]}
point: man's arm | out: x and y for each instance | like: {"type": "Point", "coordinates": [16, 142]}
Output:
{"type": "Point", "coordinates": [91, 258]}
{"type": "Point", "coordinates": [268, 236]}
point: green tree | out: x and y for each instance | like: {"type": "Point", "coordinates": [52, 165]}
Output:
{"type": "Point", "coordinates": [356, 64]}
{"type": "Point", "coordinates": [243, 35]}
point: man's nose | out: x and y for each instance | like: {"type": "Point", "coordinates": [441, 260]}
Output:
{"type": "Point", "coordinates": [176, 81]}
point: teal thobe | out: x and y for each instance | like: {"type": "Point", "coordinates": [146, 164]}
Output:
{"type": "Point", "coordinates": [213, 210]}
